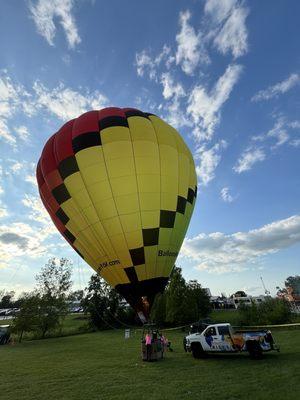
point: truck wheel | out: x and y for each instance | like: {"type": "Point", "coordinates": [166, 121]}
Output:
{"type": "Point", "coordinates": [197, 350]}
{"type": "Point", "coordinates": [254, 349]}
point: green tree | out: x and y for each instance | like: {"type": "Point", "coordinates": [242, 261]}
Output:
{"type": "Point", "coordinates": [55, 278]}
{"type": "Point", "coordinates": [102, 304]}
{"type": "Point", "coordinates": [181, 305]}
{"type": "Point", "coordinates": [7, 299]}
{"type": "Point", "coordinates": [26, 319]}
{"type": "Point", "coordinates": [158, 311]}
{"type": "Point", "coordinates": [203, 307]}
{"type": "Point", "coordinates": [294, 283]}
{"type": "Point", "coordinates": [77, 295]}
{"type": "Point", "coordinates": [269, 312]}
{"type": "Point", "coordinates": [53, 285]}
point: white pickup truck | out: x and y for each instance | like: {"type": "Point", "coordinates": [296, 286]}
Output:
{"type": "Point", "coordinates": [221, 338]}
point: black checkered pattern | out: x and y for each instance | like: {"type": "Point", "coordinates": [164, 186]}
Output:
{"type": "Point", "coordinates": [151, 235]}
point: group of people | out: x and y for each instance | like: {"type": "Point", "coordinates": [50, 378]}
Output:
{"type": "Point", "coordinates": [156, 342]}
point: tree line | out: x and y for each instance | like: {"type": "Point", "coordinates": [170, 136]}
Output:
{"type": "Point", "coordinates": [44, 309]}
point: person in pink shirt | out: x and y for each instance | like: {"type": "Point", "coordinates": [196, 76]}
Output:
{"type": "Point", "coordinates": [148, 342]}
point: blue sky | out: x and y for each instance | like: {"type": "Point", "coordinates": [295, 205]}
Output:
{"type": "Point", "coordinates": [225, 73]}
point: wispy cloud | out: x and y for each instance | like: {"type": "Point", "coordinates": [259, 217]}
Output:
{"type": "Point", "coordinates": [279, 133]}
{"type": "Point", "coordinates": [45, 13]}
{"type": "Point", "coordinates": [226, 196]}
{"type": "Point", "coordinates": [205, 107]}
{"type": "Point", "coordinates": [63, 102]}
{"type": "Point", "coordinates": [198, 105]}
{"type": "Point", "coordinates": [277, 89]}
{"type": "Point", "coordinates": [219, 252]}
{"type": "Point", "coordinates": [3, 211]}
{"type": "Point", "coordinates": [10, 94]}
{"type": "Point", "coordinates": [173, 92]}
{"type": "Point", "coordinates": [147, 64]}
{"type": "Point", "coordinates": [37, 212]}
{"type": "Point", "coordinates": [248, 158]}
{"type": "Point", "coordinates": [207, 161]}
{"type": "Point", "coordinates": [295, 143]}
{"type": "Point", "coordinates": [190, 47]}
{"type": "Point", "coordinates": [31, 178]}
{"type": "Point", "coordinates": [282, 132]}
{"type": "Point", "coordinates": [170, 87]}
{"type": "Point", "coordinates": [228, 29]}
{"type": "Point", "coordinates": [3, 208]}
{"type": "Point", "coordinates": [22, 132]}
{"type": "Point", "coordinates": [67, 103]}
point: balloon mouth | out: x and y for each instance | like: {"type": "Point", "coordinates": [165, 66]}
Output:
{"type": "Point", "coordinates": [143, 309]}
{"type": "Point", "coordinates": [141, 295]}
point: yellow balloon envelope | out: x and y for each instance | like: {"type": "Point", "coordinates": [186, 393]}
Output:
{"type": "Point", "coordinates": [120, 185]}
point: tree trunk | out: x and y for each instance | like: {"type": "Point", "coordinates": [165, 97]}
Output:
{"type": "Point", "coordinates": [44, 333]}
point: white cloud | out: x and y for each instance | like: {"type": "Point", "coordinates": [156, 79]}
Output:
{"type": "Point", "coordinates": [279, 88]}
{"type": "Point", "coordinates": [226, 196]}
{"type": "Point", "coordinates": [174, 92]}
{"type": "Point", "coordinates": [18, 240]}
{"type": "Point", "coordinates": [22, 132]}
{"type": "Point", "coordinates": [170, 88]}
{"type": "Point", "coordinates": [3, 208]}
{"type": "Point", "coordinates": [3, 211]}
{"type": "Point", "coordinates": [219, 252]}
{"type": "Point", "coordinates": [205, 107]}
{"type": "Point", "coordinates": [144, 62]}
{"type": "Point", "coordinates": [17, 167]}
{"type": "Point", "coordinates": [219, 10]}
{"type": "Point", "coordinates": [233, 35]}
{"type": "Point", "coordinates": [295, 143]}
{"type": "Point", "coordinates": [67, 103]}
{"type": "Point", "coordinates": [9, 101]}
{"type": "Point", "coordinates": [31, 179]}
{"type": "Point", "coordinates": [248, 158]}
{"type": "Point", "coordinates": [190, 47]}
{"type": "Point", "coordinates": [228, 26]}
{"type": "Point", "coordinates": [207, 161]}
{"type": "Point", "coordinates": [45, 13]}
{"type": "Point", "coordinates": [147, 64]}
{"type": "Point", "coordinates": [294, 124]}
{"type": "Point", "coordinates": [281, 132]}
{"type": "Point", "coordinates": [38, 213]}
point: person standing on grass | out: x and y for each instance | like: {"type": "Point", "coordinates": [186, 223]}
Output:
{"type": "Point", "coordinates": [148, 341]}
{"type": "Point", "coordinates": [163, 342]}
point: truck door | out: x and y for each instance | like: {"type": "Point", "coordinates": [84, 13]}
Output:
{"type": "Point", "coordinates": [224, 340]}
{"type": "Point", "coordinates": [210, 336]}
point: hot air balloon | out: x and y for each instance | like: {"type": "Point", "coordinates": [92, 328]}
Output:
{"type": "Point", "coordinates": [120, 186]}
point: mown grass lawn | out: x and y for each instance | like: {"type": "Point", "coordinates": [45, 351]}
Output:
{"type": "Point", "coordinates": [104, 365]}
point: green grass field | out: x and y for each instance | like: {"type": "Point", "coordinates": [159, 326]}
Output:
{"type": "Point", "coordinates": [104, 365]}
